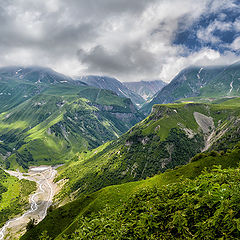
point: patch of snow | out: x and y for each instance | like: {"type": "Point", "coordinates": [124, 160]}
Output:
{"type": "Point", "coordinates": [8, 115]}
{"type": "Point", "coordinates": [198, 75]}
{"type": "Point", "coordinates": [122, 92]}
{"type": "Point", "coordinates": [145, 96]}
{"type": "Point", "coordinates": [18, 70]}
{"type": "Point", "coordinates": [231, 87]}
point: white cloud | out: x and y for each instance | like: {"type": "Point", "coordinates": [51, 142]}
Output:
{"type": "Point", "coordinates": [131, 40]}
{"type": "Point", "coordinates": [236, 44]}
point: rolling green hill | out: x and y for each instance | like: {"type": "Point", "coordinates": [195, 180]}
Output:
{"type": "Point", "coordinates": [201, 82]}
{"type": "Point", "coordinates": [14, 195]}
{"type": "Point", "coordinates": [61, 118]}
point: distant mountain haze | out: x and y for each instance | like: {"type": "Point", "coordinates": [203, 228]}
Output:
{"type": "Point", "coordinates": [146, 89]}
{"type": "Point", "coordinates": [206, 82]}
{"type": "Point", "coordinates": [112, 84]}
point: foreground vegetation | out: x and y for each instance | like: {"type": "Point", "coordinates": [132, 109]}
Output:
{"type": "Point", "coordinates": [204, 208]}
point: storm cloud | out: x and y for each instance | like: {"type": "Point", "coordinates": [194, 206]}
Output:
{"type": "Point", "coordinates": [127, 39]}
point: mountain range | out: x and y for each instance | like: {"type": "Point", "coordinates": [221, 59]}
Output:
{"type": "Point", "coordinates": [146, 89]}
{"type": "Point", "coordinates": [112, 84]}
{"type": "Point", "coordinates": [123, 175]}
{"type": "Point", "coordinates": [202, 82]}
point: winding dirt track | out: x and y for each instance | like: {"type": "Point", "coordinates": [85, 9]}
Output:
{"type": "Point", "coordinates": [39, 201]}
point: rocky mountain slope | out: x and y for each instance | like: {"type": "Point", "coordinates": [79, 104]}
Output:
{"type": "Point", "coordinates": [146, 89]}
{"type": "Point", "coordinates": [112, 84]}
{"type": "Point", "coordinates": [202, 82]}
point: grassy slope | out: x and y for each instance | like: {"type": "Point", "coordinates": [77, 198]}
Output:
{"type": "Point", "coordinates": [186, 84]}
{"type": "Point", "coordinates": [204, 208]}
{"type": "Point", "coordinates": [14, 196]}
{"type": "Point", "coordinates": [51, 127]}
{"type": "Point", "coordinates": [13, 93]}
{"type": "Point", "coordinates": [154, 145]}
{"type": "Point", "coordinates": [69, 216]}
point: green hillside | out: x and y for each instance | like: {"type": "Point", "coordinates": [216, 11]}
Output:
{"type": "Point", "coordinates": [190, 200]}
{"type": "Point", "coordinates": [52, 126]}
{"type": "Point", "coordinates": [169, 137]}
{"type": "Point", "coordinates": [111, 213]}
{"type": "Point", "coordinates": [18, 84]}
{"type": "Point", "coordinates": [14, 195]}
{"type": "Point", "coordinates": [225, 83]}
{"type": "Point", "coordinates": [47, 117]}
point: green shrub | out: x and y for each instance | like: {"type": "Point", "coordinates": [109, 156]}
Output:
{"type": "Point", "coordinates": [205, 208]}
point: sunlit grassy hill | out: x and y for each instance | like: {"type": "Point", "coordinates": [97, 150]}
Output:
{"type": "Point", "coordinates": [61, 118]}
{"type": "Point", "coordinates": [139, 208]}
{"type": "Point", "coordinates": [167, 138]}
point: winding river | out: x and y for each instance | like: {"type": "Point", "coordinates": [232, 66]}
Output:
{"type": "Point", "coordinates": [39, 201]}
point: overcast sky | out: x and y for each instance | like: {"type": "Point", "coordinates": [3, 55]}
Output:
{"type": "Point", "coordinates": [127, 39]}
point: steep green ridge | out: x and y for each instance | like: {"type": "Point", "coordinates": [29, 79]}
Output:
{"type": "Point", "coordinates": [88, 212]}
{"type": "Point", "coordinates": [202, 82]}
{"type": "Point", "coordinates": [169, 137]}
{"type": "Point", "coordinates": [14, 195]}
{"type": "Point", "coordinates": [60, 118]}
{"type": "Point", "coordinates": [154, 145]}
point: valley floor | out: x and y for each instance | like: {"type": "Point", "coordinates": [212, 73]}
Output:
{"type": "Point", "coordinates": [40, 200]}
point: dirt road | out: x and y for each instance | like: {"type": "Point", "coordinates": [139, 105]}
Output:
{"type": "Point", "coordinates": [39, 201]}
